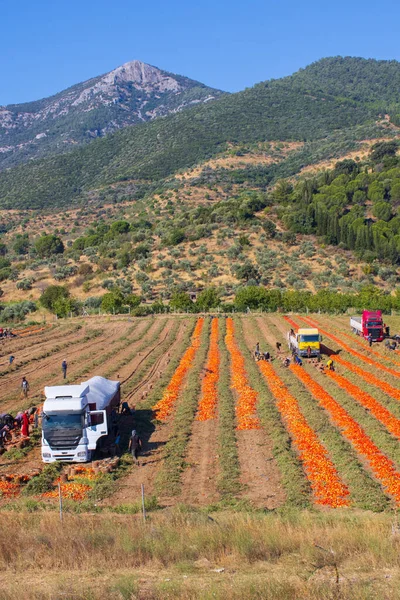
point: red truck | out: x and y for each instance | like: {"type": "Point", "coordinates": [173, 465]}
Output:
{"type": "Point", "coordinates": [370, 323]}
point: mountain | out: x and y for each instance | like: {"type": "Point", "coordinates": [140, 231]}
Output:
{"type": "Point", "coordinates": [133, 93]}
{"type": "Point", "coordinates": [328, 107]}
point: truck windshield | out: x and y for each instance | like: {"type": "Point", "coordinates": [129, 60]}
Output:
{"type": "Point", "coordinates": [309, 338]}
{"type": "Point", "coordinates": [62, 421]}
{"type": "Point", "coordinates": [374, 323]}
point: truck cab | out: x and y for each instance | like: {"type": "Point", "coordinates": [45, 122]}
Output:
{"type": "Point", "coordinates": [370, 323]}
{"type": "Point", "coordinates": [75, 418]}
{"type": "Point", "coordinates": [306, 342]}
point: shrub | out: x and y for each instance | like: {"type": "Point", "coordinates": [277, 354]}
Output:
{"type": "Point", "coordinates": [5, 274]}
{"type": "Point", "coordinates": [112, 301]}
{"type": "Point", "coordinates": [181, 301]}
{"type": "Point", "coordinates": [132, 300]}
{"type": "Point", "coordinates": [47, 245]}
{"type": "Point", "coordinates": [52, 294]}
{"type": "Point", "coordinates": [85, 269]}
{"type": "Point", "coordinates": [208, 298]}
{"type": "Point", "coordinates": [24, 284]}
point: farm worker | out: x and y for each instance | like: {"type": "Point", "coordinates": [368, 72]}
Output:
{"type": "Point", "coordinates": [24, 387]}
{"type": "Point", "coordinates": [36, 419]}
{"type": "Point", "coordinates": [286, 362]}
{"type": "Point", "coordinates": [115, 447]}
{"type": "Point", "coordinates": [257, 351]}
{"type": "Point", "coordinates": [267, 356]}
{"type": "Point", "coordinates": [135, 446]}
{"type": "Point", "coordinates": [125, 410]}
{"type": "Point", "coordinates": [298, 360]}
{"type": "Point", "coordinates": [64, 367]}
{"type": "Point", "coordinates": [309, 351]}
{"type": "Point", "coordinates": [278, 347]}
{"type": "Point", "coordinates": [11, 360]}
{"type": "Point", "coordinates": [330, 365]}
{"type": "Point", "coordinates": [114, 422]}
{"type": "Point", "coordinates": [18, 419]}
{"type": "Point", "coordinates": [25, 424]}
{"type": "Point", "coordinates": [369, 340]}
{"type": "Point", "coordinates": [3, 434]}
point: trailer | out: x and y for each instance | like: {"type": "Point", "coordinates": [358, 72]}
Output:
{"type": "Point", "coordinates": [369, 324]}
{"type": "Point", "coordinates": [76, 419]}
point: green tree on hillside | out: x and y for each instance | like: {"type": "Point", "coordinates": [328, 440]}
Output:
{"type": "Point", "coordinates": [47, 245]}
{"type": "Point", "coordinates": [208, 299]}
{"type": "Point", "coordinates": [52, 295]}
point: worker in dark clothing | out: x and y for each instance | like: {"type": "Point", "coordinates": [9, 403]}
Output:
{"type": "Point", "coordinates": [369, 340]}
{"type": "Point", "coordinates": [278, 347]}
{"type": "Point", "coordinates": [308, 351]}
{"type": "Point", "coordinates": [11, 360]}
{"type": "Point", "coordinates": [257, 350]}
{"type": "Point", "coordinates": [387, 330]}
{"type": "Point", "coordinates": [298, 360]}
{"type": "Point", "coordinates": [125, 410]}
{"type": "Point", "coordinates": [135, 446]}
{"type": "Point", "coordinates": [114, 422]}
{"type": "Point", "coordinates": [64, 367]}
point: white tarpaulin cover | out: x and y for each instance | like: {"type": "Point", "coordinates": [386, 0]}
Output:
{"type": "Point", "coordinates": [101, 391]}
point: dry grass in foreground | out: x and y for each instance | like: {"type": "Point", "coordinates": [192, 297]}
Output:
{"type": "Point", "coordinates": [189, 555]}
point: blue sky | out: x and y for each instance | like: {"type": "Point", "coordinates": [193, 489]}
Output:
{"type": "Point", "coordinates": [46, 46]}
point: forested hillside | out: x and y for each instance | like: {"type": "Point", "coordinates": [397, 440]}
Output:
{"type": "Point", "coordinates": [354, 205]}
{"type": "Point", "coordinates": [336, 98]}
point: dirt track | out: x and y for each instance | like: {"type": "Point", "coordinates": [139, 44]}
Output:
{"type": "Point", "coordinates": [199, 478]}
{"type": "Point", "coordinates": [153, 444]}
{"type": "Point", "coordinates": [259, 472]}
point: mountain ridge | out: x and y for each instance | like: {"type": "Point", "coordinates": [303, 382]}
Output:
{"type": "Point", "coordinates": [129, 94]}
{"type": "Point", "coordinates": [303, 107]}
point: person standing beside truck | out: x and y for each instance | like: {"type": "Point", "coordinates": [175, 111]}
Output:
{"type": "Point", "coordinates": [135, 446]}
{"type": "Point", "coordinates": [369, 340]}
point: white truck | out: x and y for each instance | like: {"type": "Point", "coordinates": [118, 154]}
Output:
{"type": "Point", "coordinates": [76, 419]}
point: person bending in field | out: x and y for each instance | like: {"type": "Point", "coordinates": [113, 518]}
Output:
{"type": "Point", "coordinates": [330, 365]}
{"type": "Point", "coordinates": [135, 446]}
{"type": "Point", "coordinates": [278, 347]}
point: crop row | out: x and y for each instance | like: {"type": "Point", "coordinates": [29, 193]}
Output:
{"type": "Point", "coordinates": [381, 413]}
{"type": "Point", "coordinates": [383, 468]}
{"type": "Point", "coordinates": [246, 395]}
{"type": "Point", "coordinates": [209, 394]}
{"type": "Point", "coordinates": [164, 407]}
{"type": "Point", "coordinates": [325, 482]}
